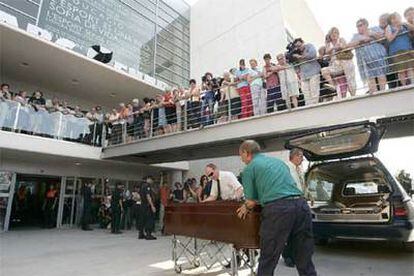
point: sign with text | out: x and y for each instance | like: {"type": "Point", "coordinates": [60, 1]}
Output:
{"type": "Point", "coordinates": [113, 24]}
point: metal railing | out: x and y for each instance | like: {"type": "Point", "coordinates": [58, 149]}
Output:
{"type": "Point", "coordinates": [26, 119]}
{"type": "Point", "coordinates": [187, 115]}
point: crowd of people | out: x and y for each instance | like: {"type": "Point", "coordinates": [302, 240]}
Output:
{"type": "Point", "coordinates": [53, 117]}
{"type": "Point", "coordinates": [303, 75]}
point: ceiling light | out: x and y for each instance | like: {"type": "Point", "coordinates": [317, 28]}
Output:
{"type": "Point", "coordinates": [78, 163]}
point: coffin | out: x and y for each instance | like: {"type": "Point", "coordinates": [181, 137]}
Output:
{"type": "Point", "coordinates": [215, 221]}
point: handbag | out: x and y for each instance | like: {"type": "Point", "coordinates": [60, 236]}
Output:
{"type": "Point", "coordinates": [345, 55]}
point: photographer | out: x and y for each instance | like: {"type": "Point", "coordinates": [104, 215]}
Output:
{"type": "Point", "coordinates": [305, 55]}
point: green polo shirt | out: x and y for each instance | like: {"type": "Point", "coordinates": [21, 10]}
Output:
{"type": "Point", "coordinates": [267, 178]}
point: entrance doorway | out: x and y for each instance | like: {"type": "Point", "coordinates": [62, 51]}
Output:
{"type": "Point", "coordinates": [35, 201]}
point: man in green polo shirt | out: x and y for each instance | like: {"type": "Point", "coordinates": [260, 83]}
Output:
{"type": "Point", "coordinates": [267, 181]}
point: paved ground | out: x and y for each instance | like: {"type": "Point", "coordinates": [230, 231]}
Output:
{"type": "Point", "coordinates": [77, 253]}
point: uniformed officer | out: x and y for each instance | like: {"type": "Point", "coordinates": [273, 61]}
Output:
{"type": "Point", "coordinates": [267, 181]}
{"type": "Point", "coordinates": [87, 204]}
{"type": "Point", "coordinates": [148, 210]}
{"type": "Point", "coordinates": [116, 209]}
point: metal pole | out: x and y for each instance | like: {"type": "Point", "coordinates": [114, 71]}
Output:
{"type": "Point", "coordinates": [94, 134]}
{"type": "Point", "coordinates": [185, 115]}
{"type": "Point", "coordinates": [61, 202]}
{"type": "Point", "coordinates": [152, 124]}
{"type": "Point", "coordinates": [59, 130]}
{"type": "Point", "coordinates": [72, 208]}
{"type": "Point", "coordinates": [229, 108]}
{"type": "Point", "coordinates": [9, 203]}
{"type": "Point", "coordinates": [124, 134]}
{"type": "Point", "coordinates": [252, 261]}
{"type": "Point", "coordinates": [155, 39]}
{"type": "Point", "coordinates": [16, 120]}
{"type": "Point", "coordinates": [234, 266]}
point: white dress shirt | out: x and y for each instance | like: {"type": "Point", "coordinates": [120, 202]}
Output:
{"type": "Point", "coordinates": [298, 175]}
{"type": "Point", "coordinates": [228, 186]}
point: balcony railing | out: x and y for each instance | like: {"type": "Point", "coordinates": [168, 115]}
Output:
{"type": "Point", "coordinates": [190, 115]}
{"type": "Point", "coordinates": [26, 119]}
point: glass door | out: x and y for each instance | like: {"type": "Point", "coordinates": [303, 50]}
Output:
{"type": "Point", "coordinates": [7, 181]}
{"type": "Point", "coordinates": [67, 204]}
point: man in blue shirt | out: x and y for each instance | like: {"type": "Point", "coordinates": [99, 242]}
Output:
{"type": "Point", "coordinates": [285, 213]}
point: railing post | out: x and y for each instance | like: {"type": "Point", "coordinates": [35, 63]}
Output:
{"type": "Point", "coordinates": [229, 108]}
{"type": "Point", "coordinates": [151, 124]}
{"type": "Point", "coordinates": [185, 115]}
{"type": "Point", "coordinates": [103, 135]}
{"type": "Point", "coordinates": [60, 125]}
{"type": "Point", "coordinates": [16, 120]}
{"type": "Point", "coordinates": [124, 134]}
{"type": "Point", "coordinates": [94, 134]}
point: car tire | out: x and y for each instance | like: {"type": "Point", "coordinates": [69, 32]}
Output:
{"type": "Point", "coordinates": [409, 246]}
{"type": "Point", "coordinates": [321, 241]}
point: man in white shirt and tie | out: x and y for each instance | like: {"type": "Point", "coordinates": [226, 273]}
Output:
{"type": "Point", "coordinates": [295, 167]}
{"type": "Point", "coordinates": [225, 185]}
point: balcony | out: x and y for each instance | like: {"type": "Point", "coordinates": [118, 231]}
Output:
{"type": "Point", "coordinates": [25, 119]}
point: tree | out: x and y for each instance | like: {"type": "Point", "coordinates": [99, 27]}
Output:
{"type": "Point", "coordinates": [405, 180]}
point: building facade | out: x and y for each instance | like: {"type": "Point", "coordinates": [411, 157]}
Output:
{"type": "Point", "coordinates": [45, 46]}
{"type": "Point", "coordinates": [222, 32]}
{"type": "Point", "coordinates": [148, 37]}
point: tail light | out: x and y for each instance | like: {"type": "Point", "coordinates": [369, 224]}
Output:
{"type": "Point", "coordinates": [400, 212]}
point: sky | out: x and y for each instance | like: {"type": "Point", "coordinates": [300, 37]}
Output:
{"type": "Point", "coordinates": [398, 153]}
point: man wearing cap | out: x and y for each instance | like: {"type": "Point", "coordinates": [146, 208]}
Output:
{"type": "Point", "coordinates": [267, 181]}
{"type": "Point", "coordinates": [225, 185]}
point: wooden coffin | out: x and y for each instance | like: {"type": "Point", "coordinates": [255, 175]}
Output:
{"type": "Point", "coordinates": [216, 221]}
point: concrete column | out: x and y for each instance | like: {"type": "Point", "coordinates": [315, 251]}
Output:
{"type": "Point", "coordinates": [176, 176]}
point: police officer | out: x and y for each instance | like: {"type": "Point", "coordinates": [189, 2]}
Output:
{"type": "Point", "coordinates": [87, 204]}
{"type": "Point", "coordinates": [116, 209]}
{"type": "Point", "coordinates": [285, 212]}
{"type": "Point", "coordinates": [148, 210]}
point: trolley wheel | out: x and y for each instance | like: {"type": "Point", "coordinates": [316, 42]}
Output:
{"type": "Point", "coordinates": [196, 263]}
{"type": "Point", "coordinates": [178, 269]}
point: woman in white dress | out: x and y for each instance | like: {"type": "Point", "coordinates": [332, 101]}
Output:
{"type": "Point", "coordinates": [289, 84]}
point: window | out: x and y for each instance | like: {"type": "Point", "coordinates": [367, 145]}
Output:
{"type": "Point", "coordinates": [361, 188]}
{"type": "Point", "coordinates": [321, 190]}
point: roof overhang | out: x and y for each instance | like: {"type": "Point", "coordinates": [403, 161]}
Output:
{"type": "Point", "coordinates": [27, 58]}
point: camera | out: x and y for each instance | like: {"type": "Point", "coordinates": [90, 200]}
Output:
{"type": "Point", "coordinates": [293, 50]}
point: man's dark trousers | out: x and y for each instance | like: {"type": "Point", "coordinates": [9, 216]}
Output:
{"type": "Point", "coordinates": [146, 223]}
{"type": "Point", "coordinates": [280, 219]}
{"type": "Point", "coordinates": [116, 220]}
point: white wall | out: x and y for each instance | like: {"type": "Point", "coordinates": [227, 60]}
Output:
{"type": "Point", "coordinates": [300, 21]}
{"type": "Point", "coordinates": [222, 32]}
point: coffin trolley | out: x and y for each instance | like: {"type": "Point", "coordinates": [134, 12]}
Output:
{"type": "Point", "coordinates": [202, 232]}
